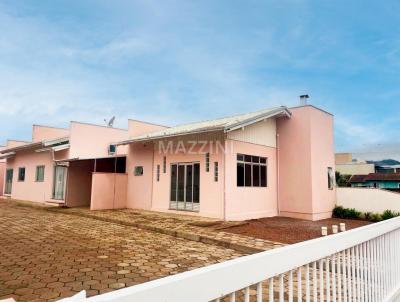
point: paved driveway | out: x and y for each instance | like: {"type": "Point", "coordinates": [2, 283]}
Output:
{"type": "Point", "coordinates": [46, 255]}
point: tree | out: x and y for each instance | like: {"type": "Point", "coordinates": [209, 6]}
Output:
{"type": "Point", "coordinates": [342, 180]}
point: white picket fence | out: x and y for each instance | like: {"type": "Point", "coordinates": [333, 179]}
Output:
{"type": "Point", "coordinates": [357, 265]}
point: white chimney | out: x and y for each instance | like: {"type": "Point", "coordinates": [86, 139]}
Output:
{"type": "Point", "coordinates": [303, 99]}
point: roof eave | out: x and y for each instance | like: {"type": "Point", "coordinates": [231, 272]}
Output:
{"type": "Point", "coordinates": [251, 121]}
{"type": "Point", "coordinates": [146, 139]}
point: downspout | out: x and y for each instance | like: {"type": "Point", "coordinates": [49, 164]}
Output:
{"type": "Point", "coordinates": [277, 176]}
{"type": "Point", "coordinates": [152, 178]}
{"type": "Point", "coordinates": [224, 195]}
{"type": "Point", "coordinates": [115, 179]}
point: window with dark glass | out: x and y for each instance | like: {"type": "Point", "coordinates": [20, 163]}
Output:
{"type": "Point", "coordinates": [207, 162]}
{"type": "Point", "coordinates": [112, 149]}
{"type": "Point", "coordinates": [216, 171]}
{"type": "Point", "coordinates": [158, 172]}
{"type": "Point", "coordinates": [21, 174]}
{"type": "Point", "coordinates": [251, 171]}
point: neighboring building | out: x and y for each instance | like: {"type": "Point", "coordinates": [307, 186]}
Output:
{"type": "Point", "coordinates": [376, 180]}
{"type": "Point", "coordinates": [277, 161]}
{"type": "Point", "coordinates": [387, 169]}
{"type": "Point", "coordinates": [346, 165]}
{"type": "Point", "coordinates": [57, 165]}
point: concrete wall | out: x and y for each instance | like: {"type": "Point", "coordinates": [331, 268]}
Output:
{"type": "Point", "coordinates": [355, 168]}
{"type": "Point", "coordinates": [368, 199]}
{"type": "Point", "coordinates": [305, 151]}
{"type": "Point", "coordinates": [41, 133]}
{"type": "Point", "coordinates": [250, 202]}
{"type": "Point", "coordinates": [108, 191]}
{"type": "Point", "coordinates": [79, 183]}
{"type": "Point", "coordinates": [92, 141]}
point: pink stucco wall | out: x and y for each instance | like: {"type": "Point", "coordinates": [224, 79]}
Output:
{"type": "Point", "coordinates": [305, 144]}
{"type": "Point", "coordinates": [14, 143]}
{"type": "Point", "coordinates": [2, 176]}
{"type": "Point", "coordinates": [92, 141]}
{"type": "Point", "coordinates": [322, 152]}
{"type": "Point", "coordinates": [139, 193]}
{"type": "Point", "coordinates": [136, 128]}
{"type": "Point", "coordinates": [108, 191]}
{"type": "Point", "coordinates": [30, 189]}
{"type": "Point", "coordinates": [79, 183]}
{"type": "Point", "coordinates": [41, 133]}
{"type": "Point", "coordinates": [211, 192]}
{"type": "Point", "coordinates": [250, 202]}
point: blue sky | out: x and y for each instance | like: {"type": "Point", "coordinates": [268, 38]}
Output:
{"type": "Point", "coordinates": [178, 61]}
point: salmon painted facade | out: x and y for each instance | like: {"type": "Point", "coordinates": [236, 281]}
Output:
{"type": "Point", "coordinates": [273, 162]}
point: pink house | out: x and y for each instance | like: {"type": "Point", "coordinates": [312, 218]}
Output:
{"type": "Point", "coordinates": [58, 164]}
{"type": "Point", "coordinates": [277, 161]}
{"type": "Point", "coordinates": [272, 162]}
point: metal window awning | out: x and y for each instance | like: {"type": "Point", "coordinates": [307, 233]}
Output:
{"type": "Point", "coordinates": [55, 149]}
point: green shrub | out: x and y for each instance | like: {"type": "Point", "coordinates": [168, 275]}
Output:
{"type": "Point", "coordinates": [367, 215]}
{"type": "Point", "coordinates": [338, 212]}
{"type": "Point", "coordinates": [351, 214]}
{"type": "Point", "coordinates": [389, 214]}
{"type": "Point", "coordinates": [375, 217]}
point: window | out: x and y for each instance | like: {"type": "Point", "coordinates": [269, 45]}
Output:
{"type": "Point", "coordinates": [138, 171]}
{"type": "Point", "coordinates": [158, 172]}
{"type": "Point", "coordinates": [39, 173]}
{"type": "Point", "coordinates": [216, 171]}
{"type": "Point", "coordinates": [164, 164]}
{"type": "Point", "coordinates": [331, 178]}
{"type": "Point", "coordinates": [21, 174]}
{"type": "Point", "coordinates": [251, 171]}
{"type": "Point", "coordinates": [112, 149]}
{"type": "Point", "coordinates": [207, 162]}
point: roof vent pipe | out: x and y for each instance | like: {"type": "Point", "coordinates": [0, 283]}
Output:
{"type": "Point", "coordinates": [303, 99]}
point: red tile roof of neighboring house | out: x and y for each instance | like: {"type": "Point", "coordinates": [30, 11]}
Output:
{"type": "Point", "coordinates": [357, 178]}
{"type": "Point", "coordinates": [375, 177]}
{"type": "Point", "coordinates": [382, 176]}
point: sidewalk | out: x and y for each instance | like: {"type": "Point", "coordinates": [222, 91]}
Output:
{"type": "Point", "coordinates": [180, 226]}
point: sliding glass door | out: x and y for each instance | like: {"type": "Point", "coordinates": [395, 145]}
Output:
{"type": "Point", "coordinates": [185, 186]}
{"type": "Point", "coordinates": [9, 179]}
{"type": "Point", "coordinates": [60, 178]}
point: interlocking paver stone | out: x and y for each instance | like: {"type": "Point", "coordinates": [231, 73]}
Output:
{"type": "Point", "coordinates": [47, 255]}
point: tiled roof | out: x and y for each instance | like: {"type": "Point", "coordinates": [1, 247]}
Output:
{"type": "Point", "coordinates": [357, 178]}
{"type": "Point", "coordinates": [375, 177]}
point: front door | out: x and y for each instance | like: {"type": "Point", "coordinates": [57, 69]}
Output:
{"type": "Point", "coordinates": [60, 173]}
{"type": "Point", "coordinates": [185, 186]}
{"type": "Point", "coordinates": [9, 178]}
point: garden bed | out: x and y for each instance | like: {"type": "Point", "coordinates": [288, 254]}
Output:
{"type": "Point", "coordinates": [289, 230]}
